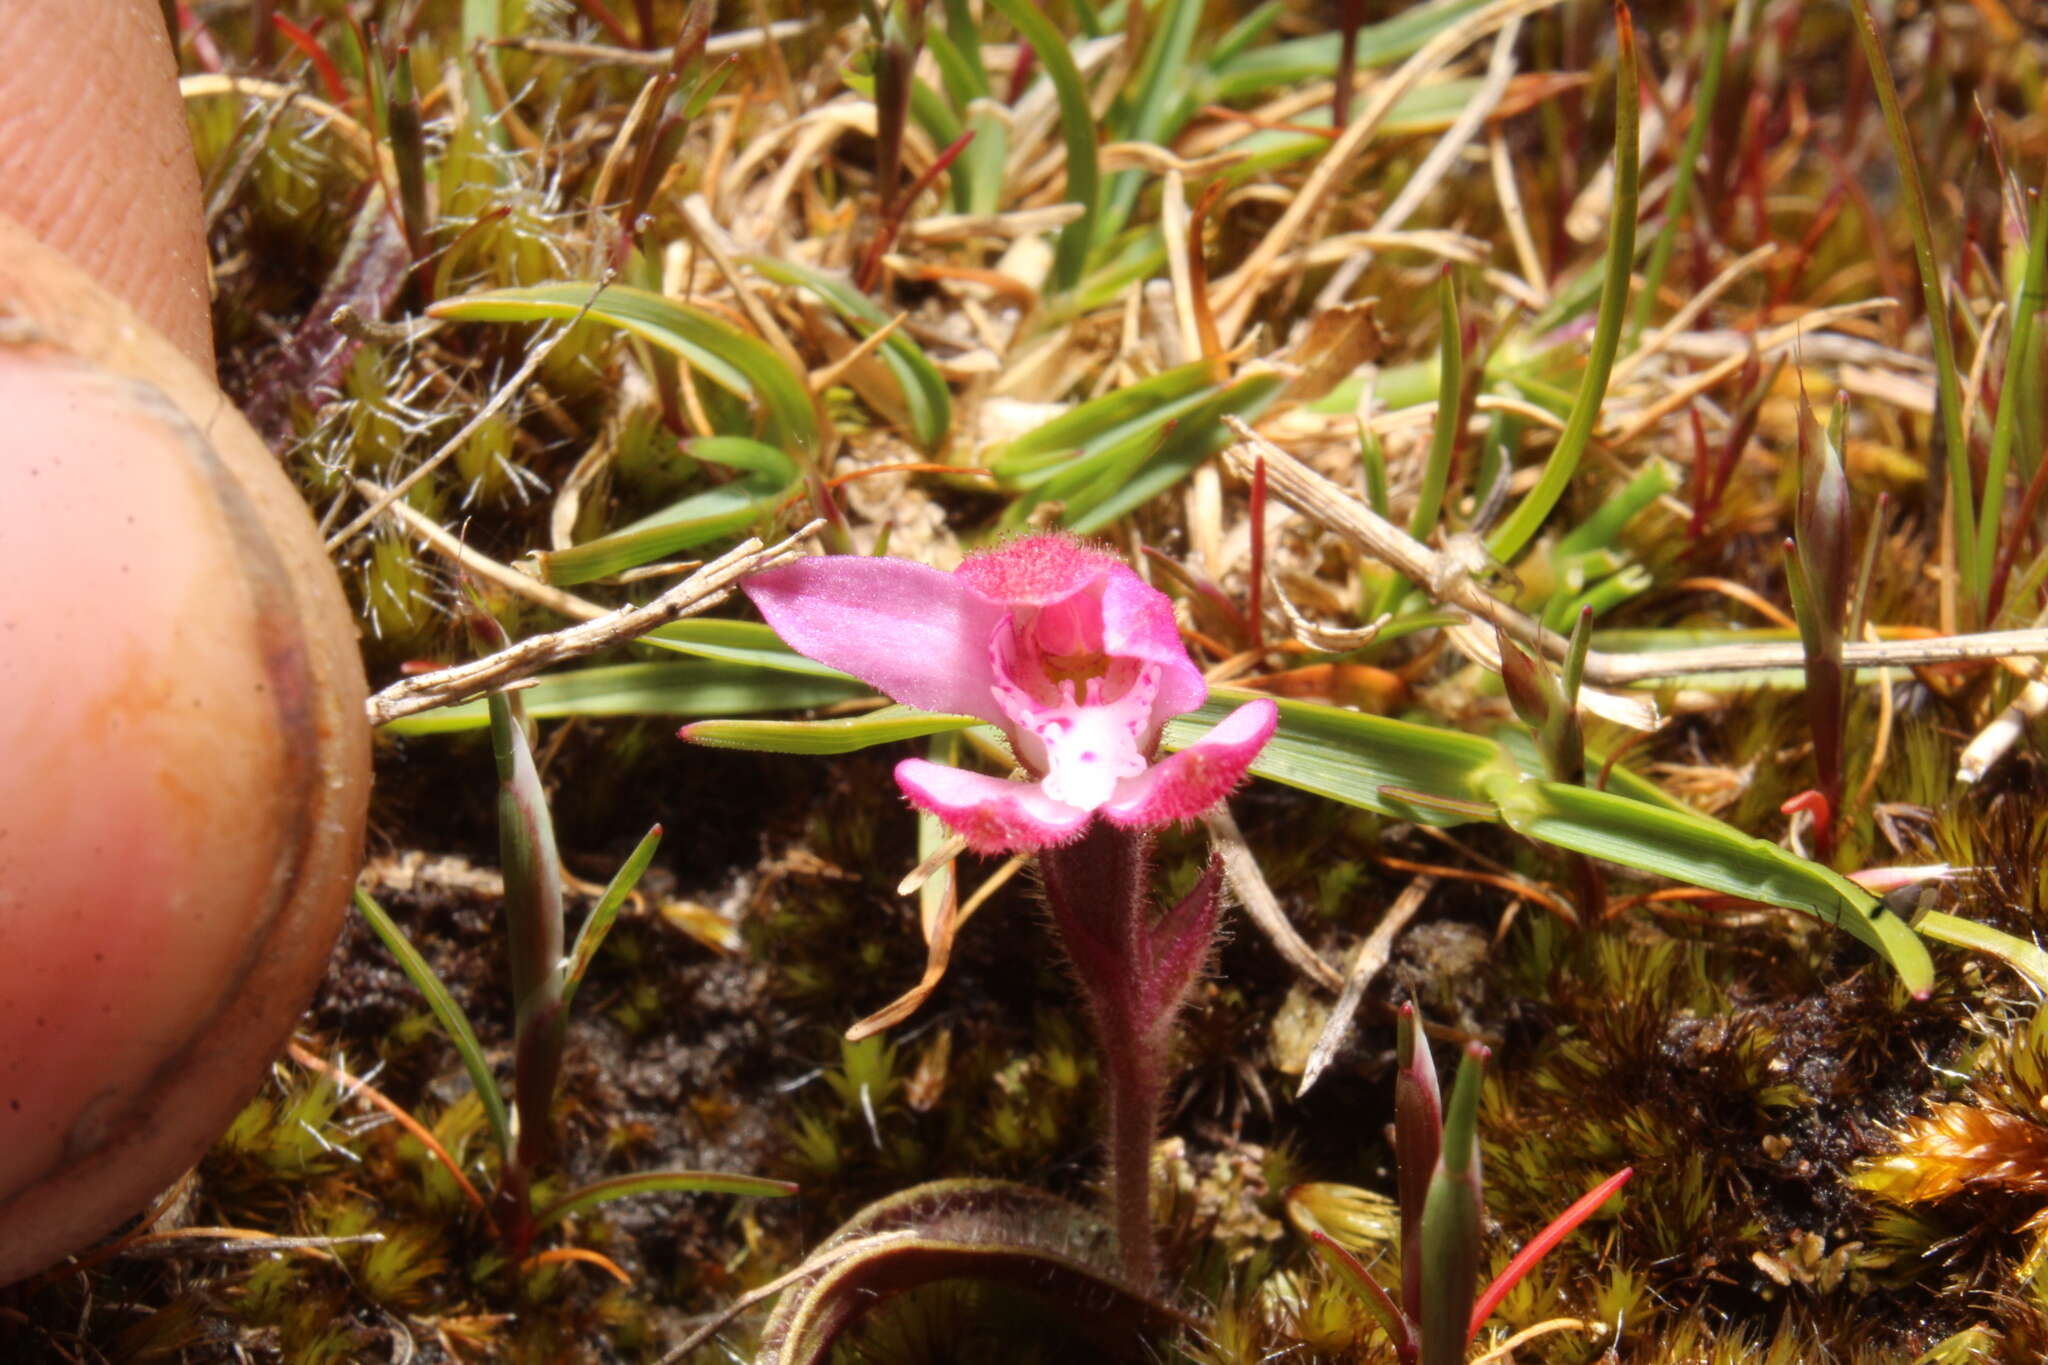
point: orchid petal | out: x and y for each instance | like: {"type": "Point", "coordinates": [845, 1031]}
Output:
{"type": "Point", "coordinates": [991, 814]}
{"type": "Point", "coordinates": [1138, 623]}
{"type": "Point", "coordinates": [1199, 776]}
{"type": "Point", "coordinates": [909, 630]}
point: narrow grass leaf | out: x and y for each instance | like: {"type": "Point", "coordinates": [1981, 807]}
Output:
{"type": "Point", "coordinates": [1197, 436]}
{"type": "Point", "coordinates": [1527, 518]}
{"type": "Point", "coordinates": [446, 1012]}
{"type": "Point", "coordinates": [2025, 314]}
{"type": "Point", "coordinates": [710, 687]}
{"type": "Point", "coordinates": [728, 357]}
{"type": "Point", "coordinates": [767, 478]}
{"type": "Point", "coordinates": [660, 1182]}
{"type": "Point", "coordinates": [1351, 757]}
{"type": "Point", "coordinates": [1077, 128]}
{"type": "Point", "coordinates": [1298, 61]}
{"type": "Point", "coordinates": [2025, 958]}
{"type": "Point", "coordinates": [843, 735]}
{"type": "Point", "coordinates": [1099, 419]}
{"type": "Point", "coordinates": [1933, 295]}
{"type": "Point", "coordinates": [591, 936]}
{"type": "Point", "coordinates": [737, 642]}
{"type": "Point", "coordinates": [925, 394]}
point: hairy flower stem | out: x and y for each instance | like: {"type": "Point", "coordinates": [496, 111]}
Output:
{"type": "Point", "coordinates": [1134, 970]}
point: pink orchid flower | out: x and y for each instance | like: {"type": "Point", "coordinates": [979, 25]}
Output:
{"type": "Point", "coordinates": [1071, 654]}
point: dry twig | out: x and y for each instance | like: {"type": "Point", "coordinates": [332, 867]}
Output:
{"type": "Point", "coordinates": [702, 590]}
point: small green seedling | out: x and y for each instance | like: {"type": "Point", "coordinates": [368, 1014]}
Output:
{"type": "Point", "coordinates": [1437, 1156]}
{"type": "Point", "coordinates": [545, 977]}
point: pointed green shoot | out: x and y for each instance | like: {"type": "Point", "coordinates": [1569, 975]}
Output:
{"type": "Point", "coordinates": [1451, 1221]}
{"type": "Point", "coordinates": [533, 928]}
{"type": "Point", "coordinates": [1418, 1140]}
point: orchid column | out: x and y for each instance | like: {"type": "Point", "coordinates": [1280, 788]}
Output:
{"type": "Point", "coordinates": [1079, 663]}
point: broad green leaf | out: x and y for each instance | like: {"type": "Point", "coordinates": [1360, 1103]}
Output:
{"type": "Point", "coordinates": [1700, 851]}
{"type": "Point", "coordinates": [925, 395]}
{"type": "Point", "coordinates": [841, 736]}
{"type": "Point", "coordinates": [660, 1182]}
{"type": "Point", "coordinates": [682, 688]}
{"type": "Point", "coordinates": [721, 352]}
{"type": "Point", "coordinates": [1356, 758]}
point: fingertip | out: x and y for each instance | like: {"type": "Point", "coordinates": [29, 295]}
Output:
{"type": "Point", "coordinates": [96, 160]}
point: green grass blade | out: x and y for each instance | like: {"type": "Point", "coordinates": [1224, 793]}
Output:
{"type": "Point", "coordinates": [925, 395]}
{"type": "Point", "coordinates": [1200, 434]}
{"type": "Point", "coordinates": [1933, 296]}
{"type": "Point", "coordinates": [2025, 314]}
{"type": "Point", "coordinates": [591, 936]}
{"type": "Point", "coordinates": [1301, 60]}
{"type": "Point", "coordinates": [1450, 392]}
{"type": "Point", "coordinates": [660, 1182]}
{"type": "Point", "coordinates": [1150, 112]}
{"type": "Point", "coordinates": [709, 515]}
{"type": "Point", "coordinates": [1700, 851]}
{"type": "Point", "coordinates": [1077, 127]}
{"type": "Point", "coordinates": [737, 642]}
{"type": "Point", "coordinates": [721, 352]}
{"type": "Point", "coordinates": [666, 688]}
{"type": "Point", "coordinates": [1702, 105]}
{"type": "Point", "coordinates": [446, 1012]}
{"type": "Point", "coordinates": [482, 22]}
{"type": "Point", "coordinates": [1098, 419]}
{"type": "Point", "coordinates": [1527, 518]}
{"type": "Point", "coordinates": [841, 736]}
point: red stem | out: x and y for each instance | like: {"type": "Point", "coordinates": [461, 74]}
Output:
{"type": "Point", "coordinates": [892, 216]}
{"type": "Point", "coordinates": [608, 21]}
{"type": "Point", "coordinates": [1541, 1245]}
{"type": "Point", "coordinates": [323, 65]}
